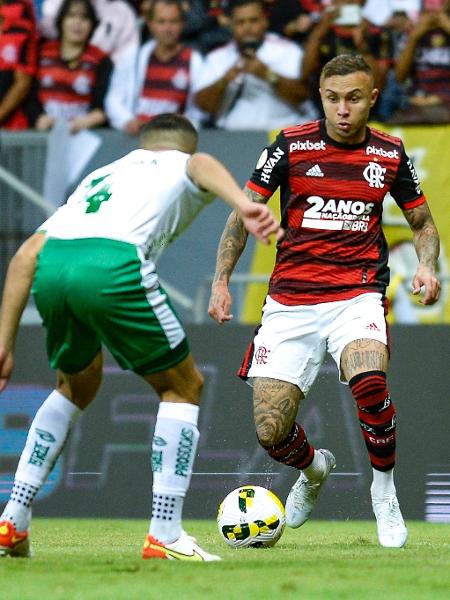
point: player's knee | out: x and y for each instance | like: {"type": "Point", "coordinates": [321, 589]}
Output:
{"type": "Point", "coordinates": [81, 388]}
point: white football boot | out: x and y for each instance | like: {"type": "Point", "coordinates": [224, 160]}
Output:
{"type": "Point", "coordinates": [391, 529]}
{"type": "Point", "coordinates": [303, 495]}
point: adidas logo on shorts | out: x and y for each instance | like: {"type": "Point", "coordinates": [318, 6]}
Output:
{"type": "Point", "coordinates": [314, 171]}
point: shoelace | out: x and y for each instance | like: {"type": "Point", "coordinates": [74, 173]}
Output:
{"type": "Point", "coordinates": [312, 487]}
{"type": "Point", "coordinates": [390, 511]}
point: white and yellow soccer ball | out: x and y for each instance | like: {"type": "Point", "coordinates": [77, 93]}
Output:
{"type": "Point", "coordinates": [251, 516]}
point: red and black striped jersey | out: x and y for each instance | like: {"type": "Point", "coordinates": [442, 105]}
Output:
{"type": "Point", "coordinates": [331, 206]}
{"type": "Point", "coordinates": [166, 85]}
{"type": "Point", "coordinates": [19, 13]}
{"type": "Point", "coordinates": [68, 90]}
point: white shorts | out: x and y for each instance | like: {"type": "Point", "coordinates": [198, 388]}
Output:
{"type": "Point", "coordinates": [292, 341]}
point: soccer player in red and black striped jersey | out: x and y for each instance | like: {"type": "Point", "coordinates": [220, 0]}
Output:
{"type": "Point", "coordinates": [327, 290]}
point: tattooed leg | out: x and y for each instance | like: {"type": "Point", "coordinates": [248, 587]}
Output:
{"type": "Point", "coordinates": [364, 355]}
{"type": "Point", "coordinates": [275, 407]}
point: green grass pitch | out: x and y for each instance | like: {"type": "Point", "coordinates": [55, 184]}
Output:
{"type": "Point", "coordinates": [100, 559]}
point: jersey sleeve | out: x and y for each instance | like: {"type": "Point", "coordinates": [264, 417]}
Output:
{"type": "Point", "coordinates": [406, 189]}
{"type": "Point", "coordinates": [271, 168]}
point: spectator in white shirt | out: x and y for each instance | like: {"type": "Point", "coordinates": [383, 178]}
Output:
{"type": "Point", "coordinates": [253, 82]}
{"type": "Point", "coordinates": [379, 12]}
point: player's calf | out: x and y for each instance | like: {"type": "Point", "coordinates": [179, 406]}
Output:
{"type": "Point", "coordinates": [377, 418]}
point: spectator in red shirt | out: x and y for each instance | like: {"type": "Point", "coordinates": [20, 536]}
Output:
{"type": "Point", "coordinates": [158, 77]}
{"type": "Point", "coordinates": [425, 63]}
{"type": "Point", "coordinates": [342, 30]}
{"type": "Point", "coordinates": [73, 74]}
{"type": "Point", "coordinates": [17, 61]}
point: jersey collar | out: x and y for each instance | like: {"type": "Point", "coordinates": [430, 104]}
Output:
{"type": "Point", "coordinates": [329, 140]}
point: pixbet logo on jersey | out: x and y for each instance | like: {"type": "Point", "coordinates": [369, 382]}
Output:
{"type": "Point", "coordinates": [381, 152]}
{"type": "Point", "coordinates": [338, 215]}
{"type": "Point", "coordinates": [307, 145]}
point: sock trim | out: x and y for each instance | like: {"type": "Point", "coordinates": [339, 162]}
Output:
{"type": "Point", "coordinates": [181, 411]}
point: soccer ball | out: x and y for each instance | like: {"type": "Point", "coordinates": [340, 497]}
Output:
{"type": "Point", "coordinates": [251, 516]}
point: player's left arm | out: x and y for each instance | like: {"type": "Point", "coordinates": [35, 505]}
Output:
{"type": "Point", "coordinates": [426, 242]}
{"type": "Point", "coordinates": [15, 296]}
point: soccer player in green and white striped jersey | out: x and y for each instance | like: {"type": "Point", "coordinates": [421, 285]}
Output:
{"type": "Point", "coordinates": [92, 270]}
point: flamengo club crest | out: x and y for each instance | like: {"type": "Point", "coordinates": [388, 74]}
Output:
{"type": "Point", "coordinates": [374, 175]}
{"type": "Point", "coordinates": [261, 355]}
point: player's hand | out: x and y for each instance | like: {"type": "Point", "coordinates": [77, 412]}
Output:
{"type": "Point", "coordinates": [6, 367]}
{"type": "Point", "coordinates": [259, 220]}
{"type": "Point", "coordinates": [426, 278]}
{"type": "Point", "coordinates": [220, 303]}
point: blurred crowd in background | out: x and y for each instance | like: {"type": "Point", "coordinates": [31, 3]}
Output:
{"type": "Point", "coordinates": [239, 65]}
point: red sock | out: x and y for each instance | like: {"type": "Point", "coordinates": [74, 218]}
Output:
{"type": "Point", "coordinates": [294, 451]}
{"type": "Point", "coordinates": [376, 414]}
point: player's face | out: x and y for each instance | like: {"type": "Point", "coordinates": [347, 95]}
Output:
{"type": "Point", "coordinates": [347, 100]}
{"type": "Point", "coordinates": [166, 24]}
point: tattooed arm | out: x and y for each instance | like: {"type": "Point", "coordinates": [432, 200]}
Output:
{"type": "Point", "coordinates": [426, 242]}
{"type": "Point", "coordinates": [231, 246]}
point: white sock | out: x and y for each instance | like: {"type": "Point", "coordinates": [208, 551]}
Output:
{"type": "Point", "coordinates": [173, 453]}
{"type": "Point", "coordinates": [46, 438]}
{"type": "Point", "coordinates": [382, 484]}
{"type": "Point", "coordinates": [316, 469]}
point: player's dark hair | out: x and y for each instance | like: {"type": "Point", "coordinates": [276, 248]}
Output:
{"type": "Point", "coordinates": [170, 126]}
{"type": "Point", "coordinates": [345, 64]}
{"type": "Point", "coordinates": [177, 3]}
{"type": "Point", "coordinates": [169, 122]}
{"type": "Point", "coordinates": [65, 8]}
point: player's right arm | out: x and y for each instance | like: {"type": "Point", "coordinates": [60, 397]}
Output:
{"type": "Point", "coordinates": [15, 296]}
{"type": "Point", "coordinates": [211, 175]}
{"type": "Point", "coordinates": [231, 246]}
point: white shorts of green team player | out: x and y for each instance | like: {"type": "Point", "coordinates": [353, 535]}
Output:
{"type": "Point", "coordinates": [92, 269]}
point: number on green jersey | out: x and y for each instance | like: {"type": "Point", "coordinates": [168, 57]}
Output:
{"type": "Point", "coordinates": [98, 192]}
